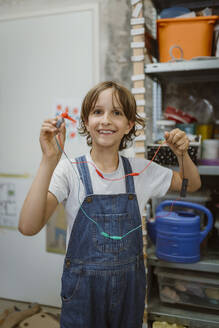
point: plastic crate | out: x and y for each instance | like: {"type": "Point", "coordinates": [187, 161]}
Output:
{"type": "Point", "coordinates": [188, 287]}
{"type": "Point", "coordinates": [185, 38]}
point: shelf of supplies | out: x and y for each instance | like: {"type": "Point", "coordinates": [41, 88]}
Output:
{"type": "Point", "coordinates": [192, 4]}
{"type": "Point", "coordinates": [202, 169]}
{"type": "Point", "coordinates": [208, 170]}
{"type": "Point", "coordinates": [194, 70]}
{"type": "Point", "coordinates": [195, 318]}
{"type": "Point", "coordinates": [208, 263]}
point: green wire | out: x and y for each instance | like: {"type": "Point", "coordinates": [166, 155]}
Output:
{"type": "Point", "coordinates": [104, 234]}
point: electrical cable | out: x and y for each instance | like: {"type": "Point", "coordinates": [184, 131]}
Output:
{"type": "Point", "coordinates": [105, 234]}
{"type": "Point", "coordinates": [182, 193]}
{"type": "Point", "coordinates": [184, 182]}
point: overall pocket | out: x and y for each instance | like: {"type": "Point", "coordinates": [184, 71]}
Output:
{"type": "Point", "coordinates": [113, 225]}
{"type": "Point", "coordinates": [70, 284]}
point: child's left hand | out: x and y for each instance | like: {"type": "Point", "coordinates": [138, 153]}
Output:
{"type": "Point", "coordinates": [178, 141]}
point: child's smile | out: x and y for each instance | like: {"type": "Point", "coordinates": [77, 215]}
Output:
{"type": "Point", "coordinates": [106, 131]}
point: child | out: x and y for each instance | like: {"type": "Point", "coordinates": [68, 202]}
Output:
{"type": "Point", "coordinates": [103, 282]}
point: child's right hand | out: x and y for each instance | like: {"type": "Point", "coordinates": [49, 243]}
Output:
{"type": "Point", "coordinates": [48, 144]}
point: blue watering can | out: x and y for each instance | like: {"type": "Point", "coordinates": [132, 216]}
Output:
{"type": "Point", "coordinates": [177, 235]}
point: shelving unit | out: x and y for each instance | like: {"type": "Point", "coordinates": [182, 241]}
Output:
{"type": "Point", "coordinates": [204, 169]}
{"type": "Point", "coordinates": [185, 315]}
{"type": "Point", "coordinates": [195, 70]}
{"type": "Point", "coordinates": [201, 69]}
{"type": "Point", "coordinates": [208, 263]}
{"type": "Point", "coordinates": [188, 317]}
{"type": "Point", "coordinates": [208, 170]}
{"type": "Point", "coordinates": [182, 71]}
{"type": "Point", "coordinates": [192, 4]}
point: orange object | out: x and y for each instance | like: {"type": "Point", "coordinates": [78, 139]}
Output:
{"type": "Point", "coordinates": [185, 38]}
{"type": "Point", "coordinates": [65, 115]}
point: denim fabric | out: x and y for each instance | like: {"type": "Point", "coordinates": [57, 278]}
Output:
{"type": "Point", "coordinates": [103, 281]}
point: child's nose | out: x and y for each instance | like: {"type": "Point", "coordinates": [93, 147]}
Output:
{"type": "Point", "coordinates": [106, 118]}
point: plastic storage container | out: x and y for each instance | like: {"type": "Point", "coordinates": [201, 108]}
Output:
{"type": "Point", "coordinates": [205, 130]}
{"type": "Point", "coordinates": [188, 287]}
{"type": "Point", "coordinates": [188, 128]}
{"type": "Point", "coordinates": [185, 38]}
{"type": "Point", "coordinates": [164, 324]}
{"type": "Point", "coordinates": [162, 126]}
{"type": "Point", "coordinates": [210, 149]}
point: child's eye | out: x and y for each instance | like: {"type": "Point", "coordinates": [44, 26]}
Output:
{"type": "Point", "coordinates": [96, 111]}
{"type": "Point", "coordinates": [117, 112]}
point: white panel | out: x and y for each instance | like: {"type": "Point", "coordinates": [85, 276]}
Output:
{"type": "Point", "coordinates": [42, 58]}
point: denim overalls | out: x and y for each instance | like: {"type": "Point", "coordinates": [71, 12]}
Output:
{"type": "Point", "coordinates": [103, 282]}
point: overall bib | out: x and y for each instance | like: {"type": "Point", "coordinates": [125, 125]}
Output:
{"type": "Point", "coordinates": [103, 281]}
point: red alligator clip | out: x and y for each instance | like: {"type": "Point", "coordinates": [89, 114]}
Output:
{"type": "Point", "coordinates": [65, 115]}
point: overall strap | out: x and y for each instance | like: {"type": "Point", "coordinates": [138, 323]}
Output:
{"type": "Point", "coordinates": [83, 170]}
{"type": "Point", "coordinates": [130, 187]}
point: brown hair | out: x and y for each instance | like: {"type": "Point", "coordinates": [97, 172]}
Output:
{"type": "Point", "coordinates": [125, 99]}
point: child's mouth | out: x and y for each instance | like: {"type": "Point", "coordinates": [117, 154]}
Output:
{"type": "Point", "coordinates": [106, 132]}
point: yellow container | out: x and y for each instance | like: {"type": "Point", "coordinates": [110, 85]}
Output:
{"type": "Point", "coordinates": [205, 130]}
{"type": "Point", "coordinates": [185, 38]}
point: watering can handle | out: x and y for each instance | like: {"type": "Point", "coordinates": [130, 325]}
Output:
{"type": "Point", "coordinates": [199, 207]}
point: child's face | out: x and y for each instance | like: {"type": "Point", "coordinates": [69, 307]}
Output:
{"type": "Point", "coordinates": [107, 123]}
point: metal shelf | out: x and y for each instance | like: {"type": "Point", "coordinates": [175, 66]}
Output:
{"type": "Point", "coordinates": [194, 70]}
{"type": "Point", "coordinates": [195, 318]}
{"type": "Point", "coordinates": [202, 169]}
{"type": "Point", "coordinates": [192, 4]}
{"type": "Point", "coordinates": [208, 263]}
{"type": "Point", "coordinates": [208, 170]}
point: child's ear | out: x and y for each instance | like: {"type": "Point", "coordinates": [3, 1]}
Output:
{"type": "Point", "coordinates": [86, 125]}
{"type": "Point", "coordinates": [130, 126]}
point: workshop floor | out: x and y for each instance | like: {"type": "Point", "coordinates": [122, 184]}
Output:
{"type": "Point", "coordinates": [5, 304]}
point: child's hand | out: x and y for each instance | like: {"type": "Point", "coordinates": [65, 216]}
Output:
{"type": "Point", "coordinates": [178, 141]}
{"type": "Point", "coordinates": [47, 141]}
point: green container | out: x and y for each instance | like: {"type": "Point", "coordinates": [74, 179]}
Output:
{"type": "Point", "coordinates": [189, 128]}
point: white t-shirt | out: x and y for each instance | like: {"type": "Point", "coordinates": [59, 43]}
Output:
{"type": "Point", "coordinates": [68, 188]}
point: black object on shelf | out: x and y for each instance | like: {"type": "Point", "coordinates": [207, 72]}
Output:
{"type": "Point", "coordinates": [165, 156]}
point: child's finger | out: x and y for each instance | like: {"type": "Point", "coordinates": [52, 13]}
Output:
{"type": "Point", "coordinates": [62, 126]}
{"type": "Point", "coordinates": [175, 135]}
{"type": "Point", "coordinates": [62, 134]}
{"type": "Point", "coordinates": [169, 138]}
{"type": "Point", "coordinates": [177, 140]}
{"type": "Point", "coordinates": [48, 127]}
{"type": "Point", "coordinates": [181, 141]}
{"type": "Point", "coordinates": [183, 145]}
{"type": "Point", "coordinates": [166, 135]}
{"type": "Point", "coordinates": [51, 121]}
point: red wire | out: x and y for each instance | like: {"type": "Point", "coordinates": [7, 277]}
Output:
{"type": "Point", "coordinates": [65, 115]}
{"type": "Point", "coordinates": [124, 176]}
{"type": "Point", "coordinates": [131, 174]}
{"type": "Point", "coordinates": [134, 173]}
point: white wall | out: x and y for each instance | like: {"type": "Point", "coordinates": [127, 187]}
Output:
{"type": "Point", "coordinates": [44, 55]}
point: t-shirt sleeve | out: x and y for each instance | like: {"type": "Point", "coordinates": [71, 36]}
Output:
{"type": "Point", "coordinates": [59, 184]}
{"type": "Point", "coordinates": [160, 179]}
{"type": "Point", "coordinates": [155, 179]}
